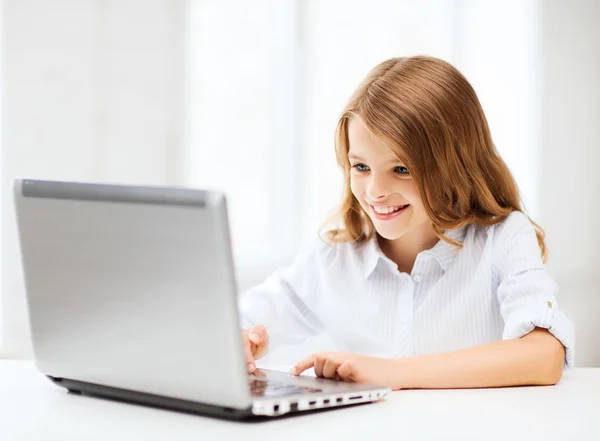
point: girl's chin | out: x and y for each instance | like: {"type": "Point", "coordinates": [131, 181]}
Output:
{"type": "Point", "coordinates": [390, 236]}
{"type": "Point", "coordinates": [385, 233]}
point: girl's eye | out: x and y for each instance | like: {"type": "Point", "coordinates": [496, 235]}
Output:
{"type": "Point", "coordinates": [401, 170]}
{"type": "Point", "coordinates": [361, 167]}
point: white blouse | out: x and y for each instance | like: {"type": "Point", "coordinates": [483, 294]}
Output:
{"type": "Point", "coordinates": [494, 288]}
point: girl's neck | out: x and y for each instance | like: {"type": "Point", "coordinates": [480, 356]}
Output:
{"type": "Point", "coordinates": [404, 250]}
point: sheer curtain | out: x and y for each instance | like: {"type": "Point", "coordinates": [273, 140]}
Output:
{"type": "Point", "coordinates": [92, 91]}
{"type": "Point", "coordinates": [243, 122]}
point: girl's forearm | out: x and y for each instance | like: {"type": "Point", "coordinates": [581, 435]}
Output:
{"type": "Point", "coordinates": [535, 359]}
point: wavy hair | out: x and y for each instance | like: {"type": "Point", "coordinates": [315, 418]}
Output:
{"type": "Point", "coordinates": [428, 114]}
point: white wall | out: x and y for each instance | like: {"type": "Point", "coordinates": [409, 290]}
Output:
{"type": "Point", "coordinates": [93, 90]}
{"type": "Point", "coordinates": [570, 155]}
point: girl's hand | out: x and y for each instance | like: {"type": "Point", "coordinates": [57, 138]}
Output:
{"type": "Point", "coordinates": [350, 367]}
{"type": "Point", "coordinates": [256, 345]}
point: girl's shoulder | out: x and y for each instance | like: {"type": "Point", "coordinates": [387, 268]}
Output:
{"type": "Point", "coordinates": [507, 229]}
{"type": "Point", "coordinates": [514, 238]}
{"type": "Point", "coordinates": [321, 248]}
{"type": "Point", "coordinates": [320, 252]}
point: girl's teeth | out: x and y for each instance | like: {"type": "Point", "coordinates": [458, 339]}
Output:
{"type": "Point", "coordinates": [387, 210]}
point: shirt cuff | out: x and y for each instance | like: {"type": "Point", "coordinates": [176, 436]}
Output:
{"type": "Point", "coordinates": [544, 315]}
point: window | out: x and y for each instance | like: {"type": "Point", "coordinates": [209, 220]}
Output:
{"type": "Point", "coordinates": [242, 132]}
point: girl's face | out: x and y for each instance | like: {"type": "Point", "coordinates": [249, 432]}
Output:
{"type": "Point", "coordinates": [383, 186]}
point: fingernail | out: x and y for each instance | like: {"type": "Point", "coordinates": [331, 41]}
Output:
{"type": "Point", "coordinates": [255, 337]}
{"type": "Point", "coordinates": [293, 371]}
{"type": "Point", "coordinates": [251, 368]}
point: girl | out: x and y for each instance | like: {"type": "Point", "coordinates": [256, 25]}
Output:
{"type": "Point", "coordinates": [434, 276]}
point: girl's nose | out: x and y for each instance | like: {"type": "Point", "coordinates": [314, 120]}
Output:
{"type": "Point", "coordinates": [377, 190]}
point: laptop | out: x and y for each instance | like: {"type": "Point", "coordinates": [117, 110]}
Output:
{"type": "Point", "coordinates": [131, 295]}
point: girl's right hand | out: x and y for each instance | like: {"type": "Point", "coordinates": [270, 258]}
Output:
{"type": "Point", "coordinates": [256, 345]}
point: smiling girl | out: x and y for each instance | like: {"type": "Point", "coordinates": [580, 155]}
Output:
{"type": "Point", "coordinates": [433, 276]}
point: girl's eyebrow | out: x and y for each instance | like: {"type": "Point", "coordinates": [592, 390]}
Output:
{"type": "Point", "coordinates": [353, 156]}
{"type": "Point", "coordinates": [358, 158]}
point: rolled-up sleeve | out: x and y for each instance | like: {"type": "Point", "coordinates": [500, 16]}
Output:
{"type": "Point", "coordinates": [285, 302]}
{"type": "Point", "coordinates": [526, 292]}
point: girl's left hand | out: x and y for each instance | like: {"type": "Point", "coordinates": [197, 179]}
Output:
{"type": "Point", "coordinates": [349, 367]}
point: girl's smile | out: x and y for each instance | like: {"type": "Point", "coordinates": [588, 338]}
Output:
{"type": "Point", "coordinates": [388, 212]}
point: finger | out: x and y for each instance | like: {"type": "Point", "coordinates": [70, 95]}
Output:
{"type": "Point", "coordinates": [330, 368]}
{"type": "Point", "coordinates": [259, 338]}
{"type": "Point", "coordinates": [248, 352]}
{"type": "Point", "coordinates": [320, 360]}
{"type": "Point", "coordinates": [259, 351]}
{"type": "Point", "coordinates": [303, 365]}
{"type": "Point", "coordinates": [264, 336]}
{"type": "Point", "coordinates": [258, 334]}
{"type": "Point", "coordinates": [345, 371]}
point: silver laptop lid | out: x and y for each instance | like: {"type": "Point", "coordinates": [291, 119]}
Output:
{"type": "Point", "coordinates": [129, 286]}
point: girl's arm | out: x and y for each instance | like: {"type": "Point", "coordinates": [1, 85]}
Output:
{"type": "Point", "coordinates": [535, 359]}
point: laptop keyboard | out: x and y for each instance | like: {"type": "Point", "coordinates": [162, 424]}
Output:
{"type": "Point", "coordinates": [260, 387]}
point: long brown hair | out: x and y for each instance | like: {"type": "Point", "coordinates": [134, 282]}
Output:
{"type": "Point", "coordinates": [426, 111]}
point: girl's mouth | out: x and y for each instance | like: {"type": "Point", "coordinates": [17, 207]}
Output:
{"type": "Point", "coordinates": [388, 212]}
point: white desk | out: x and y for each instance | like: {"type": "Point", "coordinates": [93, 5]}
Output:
{"type": "Point", "coordinates": [32, 408]}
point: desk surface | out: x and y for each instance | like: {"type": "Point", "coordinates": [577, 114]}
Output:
{"type": "Point", "coordinates": [32, 408]}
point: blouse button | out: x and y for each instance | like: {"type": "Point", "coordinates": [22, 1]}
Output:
{"type": "Point", "coordinates": [549, 303]}
{"type": "Point", "coordinates": [416, 278]}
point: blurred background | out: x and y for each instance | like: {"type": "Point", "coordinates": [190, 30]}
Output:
{"type": "Point", "coordinates": [244, 96]}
